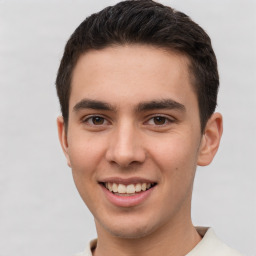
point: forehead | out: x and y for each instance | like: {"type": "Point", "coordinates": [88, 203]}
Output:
{"type": "Point", "coordinates": [131, 71]}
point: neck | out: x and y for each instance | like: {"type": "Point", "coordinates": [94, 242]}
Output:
{"type": "Point", "coordinates": [171, 239]}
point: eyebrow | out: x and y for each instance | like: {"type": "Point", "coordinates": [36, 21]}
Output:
{"type": "Point", "coordinates": [160, 104]}
{"type": "Point", "coordinates": [143, 106]}
{"type": "Point", "coordinates": [92, 104]}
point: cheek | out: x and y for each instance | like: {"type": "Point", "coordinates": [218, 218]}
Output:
{"type": "Point", "coordinates": [176, 161]}
{"type": "Point", "coordinates": [84, 158]}
{"type": "Point", "coordinates": [84, 152]}
{"type": "Point", "coordinates": [175, 150]}
{"type": "Point", "coordinates": [176, 158]}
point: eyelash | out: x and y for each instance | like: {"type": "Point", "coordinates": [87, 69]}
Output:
{"type": "Point", "coordinates": [89, 120]}
{"type": "Point", "coordinates": [167, 120]}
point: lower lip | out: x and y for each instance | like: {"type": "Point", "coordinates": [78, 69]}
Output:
{"type": "Point", "coordinates": [127, 201]}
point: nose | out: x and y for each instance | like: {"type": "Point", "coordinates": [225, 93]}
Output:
{"type": "Point", "coordinates": [125, 148]}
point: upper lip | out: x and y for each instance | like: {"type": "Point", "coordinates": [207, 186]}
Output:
{"type": "Point", "coordinates": [126, 181]}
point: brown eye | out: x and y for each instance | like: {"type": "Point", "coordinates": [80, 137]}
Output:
{"type": "Point", "coordinates": [97, 120]}
{"type": "Point", "coordinates": [159, 120]}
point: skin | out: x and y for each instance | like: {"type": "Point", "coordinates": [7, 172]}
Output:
{"type": "Point", "coordinates": [130, 140]}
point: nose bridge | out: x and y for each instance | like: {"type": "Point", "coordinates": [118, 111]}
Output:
{"type": "Point", "coordinates": [125, 147]}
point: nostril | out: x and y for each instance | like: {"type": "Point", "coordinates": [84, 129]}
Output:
{"type": "Point", "coordinates": [126, 157]}
{"type": "Point", "coordinates": [125, 148]}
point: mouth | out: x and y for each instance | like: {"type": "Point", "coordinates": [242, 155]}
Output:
{"type": "Point", "coordinates": [132, 189]}
{"type": "Point", "coordinates": [129, 192]}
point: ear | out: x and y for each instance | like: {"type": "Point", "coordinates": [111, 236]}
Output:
{"type": "Point", "coordinates": [210, 140]}
{"type": "Point", "coordinates": [63, 137]}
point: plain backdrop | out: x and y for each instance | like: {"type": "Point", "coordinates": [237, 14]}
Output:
{"type": "Point", "coordinates": [41, 212]}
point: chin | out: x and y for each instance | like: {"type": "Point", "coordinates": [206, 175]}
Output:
{"type": "Point", "coordinates": [129, 231]}
{"type": "Point", "coordinates": [130, 234]}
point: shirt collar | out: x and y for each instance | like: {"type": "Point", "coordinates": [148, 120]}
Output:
{"type": "Point", "coordinates": [210, 245]}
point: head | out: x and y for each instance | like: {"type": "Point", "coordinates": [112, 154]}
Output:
{"type": "Point", "coordinates": [137, 86]}
{"type": "Point", "coordinates": [144, 22]}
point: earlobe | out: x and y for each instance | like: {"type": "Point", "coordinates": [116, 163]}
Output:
{"type": "Point", "coordinates": [63, 138]}
{"type": "Point", "coordinates": [210, 139]}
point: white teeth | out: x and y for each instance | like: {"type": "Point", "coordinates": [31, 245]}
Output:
{"type": "Point", "coordinates": [138, 187]}
{"type": "Point", "coordinates": [129, 189]}
{"type": "Point", "coordinates": [109, 186]}
{"type": "Point", "coordinates": [121, 189]}
{"type": "Point", "coordinates": [114, 187]}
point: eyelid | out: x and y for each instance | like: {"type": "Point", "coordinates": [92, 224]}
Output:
{"type": "Point", "coordinates": [88, 117]}
{"type": "Point", "coordinates": [168, 118]}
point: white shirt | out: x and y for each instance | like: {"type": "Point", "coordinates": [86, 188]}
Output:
{"type": "Point", "coordinates": [210, 245]}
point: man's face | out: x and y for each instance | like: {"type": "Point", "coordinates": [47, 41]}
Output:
{"type": "Point", "coordinates": [134, 121]}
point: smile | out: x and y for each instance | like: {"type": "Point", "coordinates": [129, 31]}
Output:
{"type": "Point", "coordinates": [127, 190]}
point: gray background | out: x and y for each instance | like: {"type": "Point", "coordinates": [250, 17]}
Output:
{"type": "Point", "coordinates": [40, 210]}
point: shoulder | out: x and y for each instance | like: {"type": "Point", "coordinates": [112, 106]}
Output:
{"type": "Point", "coordinates": [88, 249]}
{"type": "Point", "coordinates": [211, 245]}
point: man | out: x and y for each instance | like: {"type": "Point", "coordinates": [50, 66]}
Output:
{"type": "Point", "coordinates": [138, 86]}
